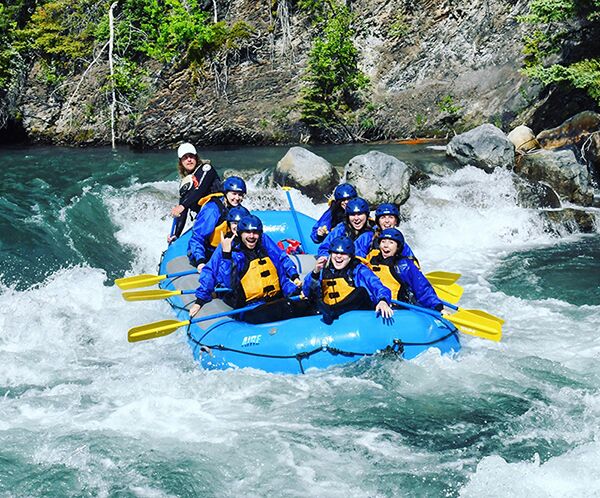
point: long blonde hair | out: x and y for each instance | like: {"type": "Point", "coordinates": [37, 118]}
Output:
{"type": "Point", "coordinates": [182, 171]}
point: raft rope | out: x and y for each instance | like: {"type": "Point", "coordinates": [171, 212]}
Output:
{"type": "Point", "coordinates": [396, 348]}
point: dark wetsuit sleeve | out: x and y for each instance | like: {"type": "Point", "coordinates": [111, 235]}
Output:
{"type": "Point", "coordinates": [180, 222]}
{"type": "Point", "coordinates": [205, 180]}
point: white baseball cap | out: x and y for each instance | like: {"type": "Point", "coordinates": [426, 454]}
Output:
{"type": "Point", "coordinates": [186, 149]}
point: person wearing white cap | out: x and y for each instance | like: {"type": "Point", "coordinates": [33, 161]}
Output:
{"type": "Point", "coordinates": [198, 179]}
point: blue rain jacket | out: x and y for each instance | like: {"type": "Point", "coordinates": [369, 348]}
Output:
{"type": "Point", "coordinates": [211, 214]}
{"type": "Point", "coordinates": [339, 230]}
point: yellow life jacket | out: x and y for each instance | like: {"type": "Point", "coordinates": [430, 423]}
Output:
{"type": "Point", "coordinates": [215, 238]}
{"type": "Point", "coordinates": [209, 197]}
{"type": "Point", "coordinates": [384, 273]}
{"type": "Point", "coordinates": [337, 289]}
{"type": "Point", "coordinates": [260, 280]}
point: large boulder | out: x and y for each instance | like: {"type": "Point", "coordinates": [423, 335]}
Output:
{"type": "Point", "coordinates": [572, 132]}
{"type": "Point", "coordinates": [309, 173]}
{"type": "Point", "coordinates": [591, 153]}
{"type": "Point", "coordinates": [534, 195]}
{"type": "Point", "coordinates": [560, 170]}
{"type": "Point", "coordinates": [485, 147]}
{"type": "Point", "coordinates": [523, 138]}
{"type": "Point", "coordinates": [569, 220]}
{"type": "Point", "coordinates": [379, 177]}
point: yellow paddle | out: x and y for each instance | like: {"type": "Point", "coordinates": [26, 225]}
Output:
{"type": "Point", "coordinates": [146, 280]}
{"type": "Point", "coordinates": [166, 327]}
{"type": "Point", "coordinates": [451, 293]}
{"type": "Point", "coordinates": [442, 277]}
{"type": "Point", "coordinates": [445, 285]}
{"type": "Point", "coordinates": [472, 322]}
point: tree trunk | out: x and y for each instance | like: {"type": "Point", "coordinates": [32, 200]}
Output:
{"type": "Point", "coordinates": [113, 104]}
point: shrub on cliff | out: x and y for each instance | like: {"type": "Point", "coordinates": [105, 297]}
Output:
{"type": "Point", "coordinates": [553, 22]}
{"type": "Point", "coordinates": [333, 81]}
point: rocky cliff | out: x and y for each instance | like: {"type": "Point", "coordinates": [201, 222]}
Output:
{"type": "Point", "coordinates": [435, 66]}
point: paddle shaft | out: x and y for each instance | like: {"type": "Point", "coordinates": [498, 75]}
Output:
{"type": "Point", "coordinates": [295, 216]}
{"type": "Point", "coordinates": [181, 273]}
{"type": "Point", "coordinates": [450, 305]}
{"type": "Point", "coordinates": [437, 314]}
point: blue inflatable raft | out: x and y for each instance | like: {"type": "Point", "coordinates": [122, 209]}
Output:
{"type": "Point", "coordinates": [300, 344]}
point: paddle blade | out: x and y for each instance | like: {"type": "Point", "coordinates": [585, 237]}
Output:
{"type": "Point", "coordinates": [149, 295]}
{"type": "Point", "coordinates": [136, 281]}
{"type": "Point", "coordinates": [451, 293]}
{"type": "Point", "coordinates": [442, 277]}
{"type": "Point", "coordinates": [476, 324]}
{"type": "Point", "coordinates": [488, 316]}
{"type": "Point", "coordinates": [153, 330]}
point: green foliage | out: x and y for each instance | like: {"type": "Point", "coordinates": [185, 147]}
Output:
{"type": "Point", "coordinates": [332, 79]}
{"type": "Point", "coordinates": [60, 31]}
{"type": "Point", "coordinates": [584, 74]}
{"type": "Point", "coordinates": [13, 15]}
{"type": "Point", "coordinates": [7, 26]}
{"type": "Point", "coordinates": [399, 27]}
{"type": "Point", "coordinates": [548, 11]}
{"type": "Point", "coordinates": [550, 20]}
{"type": "Point", "coordinates": [447, 104]}
{"type": "Point", "coordinates": [49, 74]}
{"type": "Point", "coordinates": [420, 121]}
{"type": "Point", "coordinates": [317, 9]}
{"type": "Point", "coordinates": [128, 78]}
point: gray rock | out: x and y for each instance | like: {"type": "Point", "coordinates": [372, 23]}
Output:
{"type": "Point", "coordinates": [561, 170]}
{"type": "Point", "coordinates": [569, 220]}
{"type": "Point", "coordinates": [591, 154]}
{"type": "Point", "coordinates": [379, 177]}
{"type": "Point", "coordinates": [535, 195]}
{"type": "Point", "coordinates": [304, 170]}
{"type": "Point", "coordinates": [485, 147]}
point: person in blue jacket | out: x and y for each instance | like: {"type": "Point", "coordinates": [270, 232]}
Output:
{"type": "Point", "coordinates": [234, 215]}
{"type": "Point", "coordinates": [254, 273]}
{"type": "Point", "coordinates": [400, 274]}
{"type": "Point", "coordinates": [344, 284]}
{"type": "Point", "coordinates": [212, 221]}
{"type": "Point", "coordinates": [356, 223]}
{"type": "Point", "coordinates": [387, 215]}
{"type": "Point", "coordinates": [335, 214]}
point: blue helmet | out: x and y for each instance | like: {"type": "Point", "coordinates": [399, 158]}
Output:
{"type": "Point", "coordinates": [387, 208]}
{"type": "Point", "coordinates": [236, 213]}
{"type": "Point", "coordinates": [234, 184]}
{"type": "Point", "coordinates": [357, 206]}
{"type": "Point", "coordinates": [344, 191]}
{"type": "Point", "coordinates": [392, 234]}
{"type": "Point", "coordinates": [250, 223]}
{"type": "Point", "coordinates": [342, 245]}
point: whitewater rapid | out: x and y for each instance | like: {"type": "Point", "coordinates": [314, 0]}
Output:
{"type": "Point", "coordinates": [83, 412]}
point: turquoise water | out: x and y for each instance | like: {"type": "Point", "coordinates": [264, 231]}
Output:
{"type": "Point", "coordinates": [84, 413]}
{"type": "Point", "coordinates": [568, 271]}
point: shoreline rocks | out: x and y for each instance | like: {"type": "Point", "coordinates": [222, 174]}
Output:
{"type": "Point", "coordinates": [485, 147]}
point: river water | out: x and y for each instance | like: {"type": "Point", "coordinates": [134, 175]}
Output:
{"type": "Point", "coordinates": [85, 413]}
